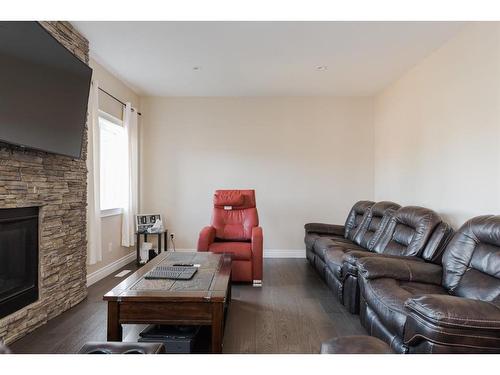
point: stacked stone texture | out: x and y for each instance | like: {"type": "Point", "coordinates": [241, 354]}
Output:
{"type": "Point", "coordinates": [58, 186]}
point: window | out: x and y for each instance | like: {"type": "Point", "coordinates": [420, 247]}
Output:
{"type": "Point", "coordinates": [113, 164]}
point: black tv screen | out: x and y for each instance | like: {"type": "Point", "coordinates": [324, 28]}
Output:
{"type": "Point", "coordinates": [44, 90]}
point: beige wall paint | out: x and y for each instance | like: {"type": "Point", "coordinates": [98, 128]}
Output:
{"type": "Point", "coordinates": [432, 138]}
{"type": "Point", "coordinates": [111, 225]}
{"type": "Point", "coordinates": [308, 158]}
{"type": "Point", "coordinates": [437, 129]}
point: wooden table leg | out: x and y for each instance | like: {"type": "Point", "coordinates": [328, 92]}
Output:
{"type": "Point", "coordinates": [217, 327]}
{"type": "Point", "coordinates": [115, 331]}
{"type": "Point", "coordinates": [227, 304]}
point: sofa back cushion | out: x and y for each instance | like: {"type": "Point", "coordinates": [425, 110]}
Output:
{"type": "Point", "coordinates": [374, 224]}
{"type": "Point", "coordinates": [234, 214]}
{"type": "Point", "coordinates": [356, 215]}
{"type": "Point", "coordinates": [471, 261]}
{"type": "Point", "coordinates": [408, 231]}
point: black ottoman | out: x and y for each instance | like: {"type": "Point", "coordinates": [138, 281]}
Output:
{"type": "Point", "coordinates": [122, 348]}
{"type": "Point", "coordinates": [355, 345]}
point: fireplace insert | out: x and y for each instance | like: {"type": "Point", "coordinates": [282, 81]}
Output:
{"type": "Point", "coordinates": [18, 258]}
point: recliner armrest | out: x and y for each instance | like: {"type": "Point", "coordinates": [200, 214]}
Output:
{"type": "Point", "coordinates": [257, 253]}
{"type": "Point", "coordinates": [207, 236]}
{"type": "Point", "coordinates": [399, 269]}
{"type": "Point", "coordinates": [453, 321]}
{"type": "Point", "coordinates": [333, 229]}
{"type": "Point", "coordinates": [257, 239]}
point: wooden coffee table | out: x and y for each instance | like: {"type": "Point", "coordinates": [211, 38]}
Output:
{"type": "Point", "coordinates": [203, 300]}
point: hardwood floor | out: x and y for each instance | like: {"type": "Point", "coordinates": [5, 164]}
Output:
{"type": "Point", "coordinates": [292, 313]}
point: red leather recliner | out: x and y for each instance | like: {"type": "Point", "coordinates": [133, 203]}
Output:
{"type": "Point", "coordinates": [235, 230]}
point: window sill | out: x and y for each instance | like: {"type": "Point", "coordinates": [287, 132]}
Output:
{"type": "Point", "coordinates": [111, 212]}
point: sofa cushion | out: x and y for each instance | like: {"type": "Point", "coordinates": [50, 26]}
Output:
{"type": "Point", "coordinates": [311, 238]}
{"type": "Point", "coordinates": [333, 258]}
{"type": "Point", "coordinates": [321, 245]}
{"type": "Point", "coordinates": [238, 250]}
{"type": "Point", "coordinates": [387, 297]}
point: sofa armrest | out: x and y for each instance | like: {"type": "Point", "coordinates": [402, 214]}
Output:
{"type": "Point", "coordinates": [452, 311]}
{"type": "Point", "coordinates": [257, 252]}
{"type": "Point", "coordinates": [353, 256]}
{"type": "Point", "coordinates": [399, 269]}
{"type": "Point", "coordinates": [207, 236]}
{"type": "Point", "coordinates": [453, 321]}
{"type": "Point", "coordinates": [349, 266]}
{"type": "Point", "coordinates": [351, 259]}
{"type": "Point", "coordinates": [333, 229]}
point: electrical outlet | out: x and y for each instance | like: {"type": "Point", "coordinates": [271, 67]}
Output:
{"type": "Point", "coordinates": [110, 246]}
{"type": "Point", "coordinates": [172, 235]}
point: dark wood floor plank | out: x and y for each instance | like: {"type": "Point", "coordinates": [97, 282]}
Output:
{"type": "Point", "coordinates": [265, 337]}
{"type": "Point", "coordinates": [293, 312]}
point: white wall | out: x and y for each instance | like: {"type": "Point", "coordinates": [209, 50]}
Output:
{"type": "Point", "coordinates": [432, 139]}
{"type": "Point", "coordinates": [437, 129]}
{"type": "Point", "coordinates": [309, 159]}
{"type": "Point", "coordinates": [111, 225]}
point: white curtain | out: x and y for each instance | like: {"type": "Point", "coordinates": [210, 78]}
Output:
{"type": "Point", "coordinates": [130, 209]}
{"type": "Point", "coordinates": [94, 243]}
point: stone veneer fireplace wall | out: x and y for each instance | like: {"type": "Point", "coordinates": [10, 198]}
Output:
{"type": "Point", "coordinates": [58, 186]}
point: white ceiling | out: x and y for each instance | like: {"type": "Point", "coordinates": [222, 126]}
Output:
{"type": "Point", "coordinates": [262, 58]}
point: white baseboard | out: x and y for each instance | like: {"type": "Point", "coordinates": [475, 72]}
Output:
{"type": "Point", "coordinates": [110, 268]}
{"type": "Point", "coordinates": [275, 253]}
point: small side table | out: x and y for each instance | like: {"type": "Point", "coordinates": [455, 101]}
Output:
{"type": "Point", "coordinates": [145, 234]}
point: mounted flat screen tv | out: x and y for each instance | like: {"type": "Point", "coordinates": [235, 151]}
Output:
{"type": "Point", "coordinates": [44, 91]}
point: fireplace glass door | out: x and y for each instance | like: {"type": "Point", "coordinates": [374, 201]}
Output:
{"type": "Point", "coordinates": [18, 258]}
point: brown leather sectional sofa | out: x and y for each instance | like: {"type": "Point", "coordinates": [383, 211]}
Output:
{"type": "Point", "coordinates": [417, 286]}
